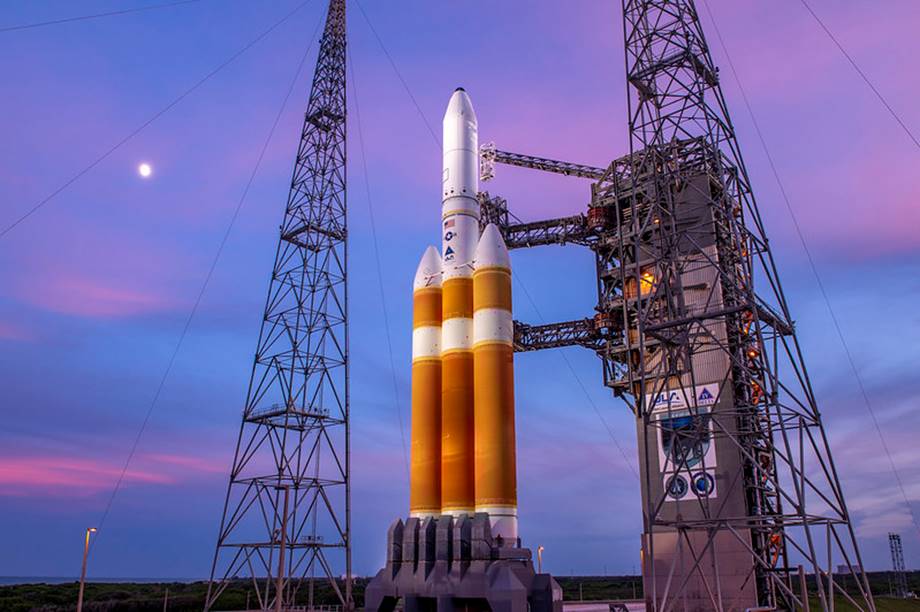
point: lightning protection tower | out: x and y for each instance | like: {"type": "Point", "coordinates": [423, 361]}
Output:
{"type": "Point", "coordinates": [899, 572]}
{"type": "Point", "coordinates": [286, 518]}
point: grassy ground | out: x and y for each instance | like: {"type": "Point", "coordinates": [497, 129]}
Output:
{"type": "Point", "coordinates": [882, 604]}
{"type": "Point", "coordinates": [137, 597]}
{"type": "Point", "coordinates": [189, 597]}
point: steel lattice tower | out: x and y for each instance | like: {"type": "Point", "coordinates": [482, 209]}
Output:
{"type": "Point", "coordinates": [694, 332]}
{"type": "Point", "coordinates": [287, 517]}
{"type": "Point", "coordinates": [692, 240]}
{"type": "Point", "coordinates": [899, 584]}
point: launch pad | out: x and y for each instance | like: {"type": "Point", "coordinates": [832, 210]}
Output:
{"type": "Point", "coordinates": [447, 563]}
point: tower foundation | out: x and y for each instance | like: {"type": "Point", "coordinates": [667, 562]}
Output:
{"type": "Point", "coordinates": [451, 563]}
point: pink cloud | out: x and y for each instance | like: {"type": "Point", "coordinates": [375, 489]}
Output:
{"type": "Point", "coordinates": [30, 475]}
{"type": "Point", "coordinates": [861, 205]}
{"type": "Point", "coordinates": [11, 331]}
{"type": "Point", "coordinates": [55, 475]}
{"type": "Point", "coordinates": [98, 273]}
{"type": "Point", "coordinates": [92, 298]}
{"type": "Point", "coordinates": [188, 462]}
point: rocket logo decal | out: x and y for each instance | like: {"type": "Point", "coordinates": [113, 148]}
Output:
{"type": "Point", "coordinates": [449, 236]}
{"type": "Point", "coordinates": [449, 254]}
{"type": "Point", "coordinates": [448, 223]}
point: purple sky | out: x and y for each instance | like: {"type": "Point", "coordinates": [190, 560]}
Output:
{"type": "Point", "coordinates": [98, 283]}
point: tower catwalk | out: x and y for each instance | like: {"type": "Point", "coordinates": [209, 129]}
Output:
{"type": "Point", "coordinates": [694, 333]}
{"type": "Point", "coordinates": [287, 517]}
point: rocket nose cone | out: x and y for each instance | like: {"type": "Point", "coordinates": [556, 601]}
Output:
{"type": "Point", "coordinates": [428, 273]}
{"type": "Point", "coordinates": [460, 104]}
{"type": "Point", "coordinates": [491, 250]}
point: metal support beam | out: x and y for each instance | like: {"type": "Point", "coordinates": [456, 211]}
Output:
{"type": "Point", "coordinates": [580, 332]}
{"type": "Point", "coordinates": [489, 156]}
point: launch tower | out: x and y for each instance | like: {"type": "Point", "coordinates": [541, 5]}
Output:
{"type": "Point", "coordinates": [694, 333]}
{"type": "Point", "coordinates": [287, 517]}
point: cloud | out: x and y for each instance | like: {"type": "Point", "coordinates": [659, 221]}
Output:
{"type": "Point", "coordinates": [96, 271]}
{"type": "Point", "coordinates": [873, 494]}
{"type": "Point", "coordinates": [12, 331]}
{"type": "Point", "coordinates": [56, 476]}
{"type": "Point", "coordinates": [92, 298]}
{"type": "Point", "coordinates": [192, 463]}
{"type": "Point", "coordinates": [62, 476]}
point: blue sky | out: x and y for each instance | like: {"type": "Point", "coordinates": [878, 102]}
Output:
{"type": "Point", "coordinates": [98, 283]}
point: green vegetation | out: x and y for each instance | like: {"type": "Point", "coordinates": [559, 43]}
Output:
{"type": "Point", "coordinates": [594, 588]}
{"type": "Point", "coordinates": [142, 597]}
{"type": "Point", "coordinates": [189, 597]}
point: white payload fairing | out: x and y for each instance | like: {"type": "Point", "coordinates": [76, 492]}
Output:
{"type": "Point", "coordinates": [474, 401]}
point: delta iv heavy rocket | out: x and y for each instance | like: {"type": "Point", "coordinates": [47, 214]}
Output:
{"type": "Point", "coordinates": [463, 445]}
{"type": "Point", "coordinates": [460, 547]}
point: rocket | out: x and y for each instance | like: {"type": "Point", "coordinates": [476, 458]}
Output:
{"type": "Point", "coordinates": [463, 443]}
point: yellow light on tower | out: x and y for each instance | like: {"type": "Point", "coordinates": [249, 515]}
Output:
{"type": "Point", "coordinates": [646, 282]}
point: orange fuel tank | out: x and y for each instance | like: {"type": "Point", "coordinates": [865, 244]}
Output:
{"type": "Point", "coordinates": [425, 473]}
{"type": "Point", "coordinates": [493, 379]}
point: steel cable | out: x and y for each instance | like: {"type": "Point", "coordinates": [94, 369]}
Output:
{"type": "Point", "coordinates": [383, 302]}
{"type": "Point", "coordinates": [73, 179]}
{"type": "Point", "coordinates": [438, 144]}
{"type": "Point", "coordinates": [861, 74]}
{"type": "Point", "coordinates": [39, 24]}
{"type": "Point", "coordinates": [399, 75]}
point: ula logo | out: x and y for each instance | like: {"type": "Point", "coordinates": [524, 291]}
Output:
{"type": "Point", "coordinates": [672, 399]}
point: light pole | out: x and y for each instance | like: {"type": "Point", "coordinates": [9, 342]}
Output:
{"type": "Point", "coordinates": [89, 530]}
{"type": "Point", "coordinates": [279, 587]}
{"type": "Point", "coordinates": [539, 559]}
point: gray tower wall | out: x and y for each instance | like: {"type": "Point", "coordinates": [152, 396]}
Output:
{"type": "Point", "coordinates": [712, 418]}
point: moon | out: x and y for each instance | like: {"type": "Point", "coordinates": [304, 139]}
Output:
{"type": "Point", "coordinates": [145, 170]}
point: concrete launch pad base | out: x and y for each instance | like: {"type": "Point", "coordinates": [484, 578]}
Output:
{"type": "Point", "coordinates": [448, 564]}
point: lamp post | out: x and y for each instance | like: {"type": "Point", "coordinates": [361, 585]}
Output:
{"type": "Point", "coordinates": [279, 587]}
{"type": "Point", "coordinates": [539, 559]}
{"type": "Point", "coordinates": [89, 530]}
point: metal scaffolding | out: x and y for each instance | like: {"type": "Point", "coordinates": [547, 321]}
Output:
{"type": "Point", "coordinates": [286, 519]}
{"type": "Point", "coordinates": [694, 333]}
{"type": "Point", "coordinates": [899, 571]}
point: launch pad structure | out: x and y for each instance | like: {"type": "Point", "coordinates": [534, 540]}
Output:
{"type": "Point", "coordinates": [737, 478]}
{"type": "Point", "coordinates": [691, 326]}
